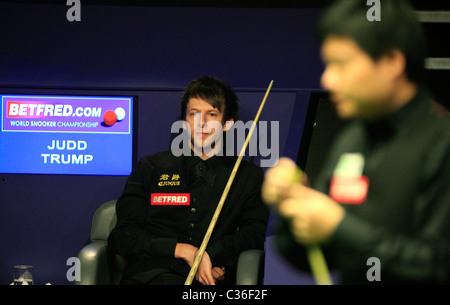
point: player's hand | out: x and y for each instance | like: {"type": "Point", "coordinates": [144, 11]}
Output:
{"type": "Point", "coordinates": [218, 273]}
{"type": "Point", "coordinates": [205, 271]}
{"type": "Point", "coordinates": [278, 181]}
{"type": "Point", "coordinates": [312, 215]}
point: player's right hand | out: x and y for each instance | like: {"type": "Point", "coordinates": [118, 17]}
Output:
{"type": "Point", "coordinates": [278, 181]}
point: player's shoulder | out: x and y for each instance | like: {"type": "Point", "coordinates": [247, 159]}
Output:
{"type": "Point", "coordinates": [251, 169]}
{"type": "Point", "coordinates": [161, 159]}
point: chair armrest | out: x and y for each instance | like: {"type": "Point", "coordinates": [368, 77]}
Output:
{"type": "Point", "coordinates": [249, 269]}
{"type": "Point", "coordinates": [94, 264]}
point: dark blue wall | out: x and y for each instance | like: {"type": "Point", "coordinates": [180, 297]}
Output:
{"type": "Point", "coordinates": [150, 52]}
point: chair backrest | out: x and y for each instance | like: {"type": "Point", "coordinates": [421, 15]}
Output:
{"type": "Point", "coordinates": [103, 221]}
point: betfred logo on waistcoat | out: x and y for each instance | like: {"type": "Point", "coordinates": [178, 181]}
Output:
{"type": "Point", "coordinates": [170, 199]}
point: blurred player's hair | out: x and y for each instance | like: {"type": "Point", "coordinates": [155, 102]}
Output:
{"type": "Point", "coordinates": [398, 29]}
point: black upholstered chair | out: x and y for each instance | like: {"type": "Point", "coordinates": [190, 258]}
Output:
{"type": "Point", "coordinates": [100, 267]}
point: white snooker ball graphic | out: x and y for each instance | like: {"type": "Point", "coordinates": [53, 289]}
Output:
{"type": "Point", "coordinates": [120, 112]}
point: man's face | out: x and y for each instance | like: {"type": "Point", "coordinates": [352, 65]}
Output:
{"type": "Point", "coordinates": [359, 86]}
{"type": "Point", "coordinates": [204, 121]}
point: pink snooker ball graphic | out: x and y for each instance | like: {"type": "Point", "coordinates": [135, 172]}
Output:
{"type": "Point", "coordinates": [110, 118]}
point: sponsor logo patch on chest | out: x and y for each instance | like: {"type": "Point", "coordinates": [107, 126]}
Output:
{"type": "Point", "coordinates": [348, 184]}
{"type": "Point", "coordinates": [170, 199]}
{"type": "Point", "coordinates": [350, 190]}
{"type": "Point", "coordinates": [169, 180]}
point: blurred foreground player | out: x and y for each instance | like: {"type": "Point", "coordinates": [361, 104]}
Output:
{"type": "Point", "coordinates": [168, 201]}
{"type": "Point", "coordinates": [383, 195]}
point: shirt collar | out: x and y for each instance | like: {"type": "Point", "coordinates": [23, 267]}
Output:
{"type": "Point", "coordinates": [211, 162]}
{"type": "Point", "coordinates": [206, 169]}
{"type": "Point", "coordinates": [402, 119]}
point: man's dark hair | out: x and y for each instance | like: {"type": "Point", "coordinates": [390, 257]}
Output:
{"type": "Point", "coordinates": [399, 28]}
{"type": "Point", "coordinates": [217, 92]}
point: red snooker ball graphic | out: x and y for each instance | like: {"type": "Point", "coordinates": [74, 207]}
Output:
{"type": "Point", "coordinates": [110, 118]}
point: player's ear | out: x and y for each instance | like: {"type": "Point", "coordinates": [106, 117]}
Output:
{"type": "Point", "coordinates": [228, 124]}
{"type": "Point", "coordinates": [394, 63]}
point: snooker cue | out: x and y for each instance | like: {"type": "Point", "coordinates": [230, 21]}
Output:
{"type": "Point", "coordinates": [212, 224]}
{"type": "Point", "coordinates": [316, 259]}
{"type": "Point", "coordinates": [318, 265]}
